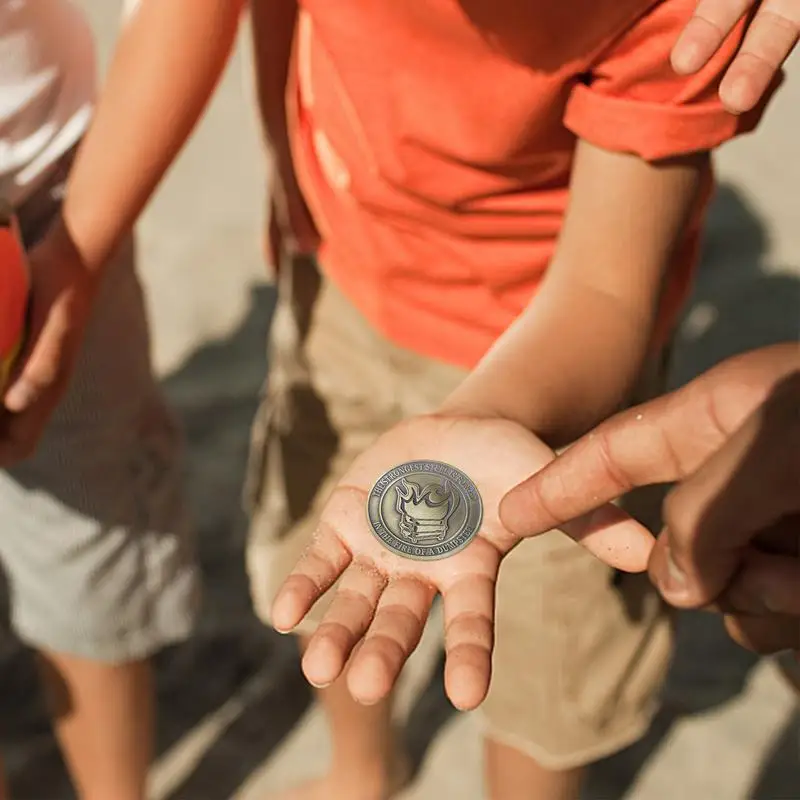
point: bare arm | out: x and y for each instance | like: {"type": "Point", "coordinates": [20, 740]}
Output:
{"type": "Point", "coordinates": [570, 360]}
{"type": "Point", "coordinates": [169, 59]}
{"type": "Point", "coordinates": [167, 63]}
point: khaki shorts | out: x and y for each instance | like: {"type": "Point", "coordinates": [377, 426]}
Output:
{"type": "Point", "coordinates": [580, 654]}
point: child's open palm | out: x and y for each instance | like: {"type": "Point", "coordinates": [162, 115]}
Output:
{"type": "Point", "coordinates": [383, 599]}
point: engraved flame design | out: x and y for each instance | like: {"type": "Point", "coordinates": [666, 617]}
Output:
{"type": "Point", "coordinates": [425, 511]}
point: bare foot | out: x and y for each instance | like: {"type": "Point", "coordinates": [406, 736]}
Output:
{"type": "Point", "coordinates": [355, 787]}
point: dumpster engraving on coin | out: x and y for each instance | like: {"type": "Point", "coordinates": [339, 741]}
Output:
{"type": "Point", "coordinates": [425, 510]}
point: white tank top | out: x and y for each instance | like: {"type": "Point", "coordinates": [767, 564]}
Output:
{"type": "Point", "coordinates": [47, 89]}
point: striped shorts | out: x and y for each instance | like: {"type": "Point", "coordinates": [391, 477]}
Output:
{"type": "Point", "coordinates": [95, 540]}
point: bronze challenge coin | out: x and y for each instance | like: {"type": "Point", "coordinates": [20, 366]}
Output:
{"type": "Point", "coordinates": [425, 510]}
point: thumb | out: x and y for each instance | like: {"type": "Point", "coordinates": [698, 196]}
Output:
{"type": "Point", "coordinates": [41, 363]}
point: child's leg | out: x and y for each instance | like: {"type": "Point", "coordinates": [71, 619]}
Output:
{"type": "Point", "coordinates": [329, 396]}
{"type": "Point", "coordinates": [367, 762]}
{"type": "Point", "coordinates": [97, 546]}
{"type": "Point", "coordinates": [335, 385]}
{"type": "Point", "coordinates": [512, 774]}
{"type": "Point", "coordinates": [103, 716]}
{"type": "Point", "coordinates": [577, 668]}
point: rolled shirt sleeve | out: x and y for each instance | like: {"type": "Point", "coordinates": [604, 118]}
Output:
{"type": "Point", "coordinates": [631, 100]}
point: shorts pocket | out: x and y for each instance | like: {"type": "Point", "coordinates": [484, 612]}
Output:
{"type": "Point", "coordinates": [299, 284]}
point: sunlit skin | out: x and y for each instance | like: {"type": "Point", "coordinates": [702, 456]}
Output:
{"type": "Point", "coordinates": [731, 438]}
{"type": "Point", "coordinates": [386, 598]}
{"type": "Point", "coordinates": [770, 39]}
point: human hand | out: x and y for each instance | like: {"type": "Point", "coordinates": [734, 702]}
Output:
{"type": "Point", "coordinates": [770, 38]}
{"type": "Point", "coordinates": [733, 528]}
{"type": "Point", "coordinates": [383, 598]}
{"type": "Point", "coordinates": [62, 293]}
{"type": "Point", "coordinates": [732, 440]}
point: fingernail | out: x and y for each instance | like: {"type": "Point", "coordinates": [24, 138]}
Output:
{"type": "Point", "coordinates": [19, 396]}
{"type": "Point", "coordinates": [736, 94]}
{"type": "Point", "coordinates": [369, 701]}
{"type": "Point", "coordinates": [686, 57]}
{"type": "Point", "coordinates": [281, 627]}
{"type": "Point", "coordinates": [676, 578]}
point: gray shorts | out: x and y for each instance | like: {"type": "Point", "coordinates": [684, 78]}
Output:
{"type": "Point", "coordinates": [95, 540]}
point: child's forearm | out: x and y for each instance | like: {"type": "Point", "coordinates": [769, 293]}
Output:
{"type": "Point", "coordinates": [169, 59]}
{"type": "Point", "coordinates": [572, 358]}
{"type": "Point", "coordinates": [273, 27]}
{"type": "Point", "coordinates": [561, 370]}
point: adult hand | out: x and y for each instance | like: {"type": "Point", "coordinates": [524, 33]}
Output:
{"type": "Point", "coordinates": [732, 523]}
{"type": "Point", "coordinates": [384, 599]}
{"type": "Point", "coordinates": [770, 38]}
{"type": "Point", "coordinates": [732, 440]}
{"type": "Point", "coordinates": [62, 293]}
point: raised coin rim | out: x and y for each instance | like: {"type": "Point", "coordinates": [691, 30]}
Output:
{"type": "Point", "coordinates": [434, 557]}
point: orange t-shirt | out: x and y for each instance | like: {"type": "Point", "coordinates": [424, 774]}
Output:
{"type": "Point", "coordinates": [434, 140]}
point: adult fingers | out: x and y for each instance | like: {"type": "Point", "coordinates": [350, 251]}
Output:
{"type": "Point", "coordinates": [613, 536]}
{"type": "Point", "coordinates": [746, 487]}
{"type": "Point", "coordinates": [656, 442]}
{"type": "Point", "coordinates": [653, 443]}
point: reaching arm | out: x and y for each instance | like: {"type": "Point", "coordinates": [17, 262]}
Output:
{"type": "Point", "coordinates": [169, 59]}
{"type": "Point", "coordinates": [572, 357]}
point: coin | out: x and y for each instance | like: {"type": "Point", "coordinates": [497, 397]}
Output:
{"type": "Point", "coordinates": [425, 510]}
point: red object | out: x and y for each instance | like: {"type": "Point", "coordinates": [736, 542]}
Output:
{"type": "Point", "coordinates": [14, 290]}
